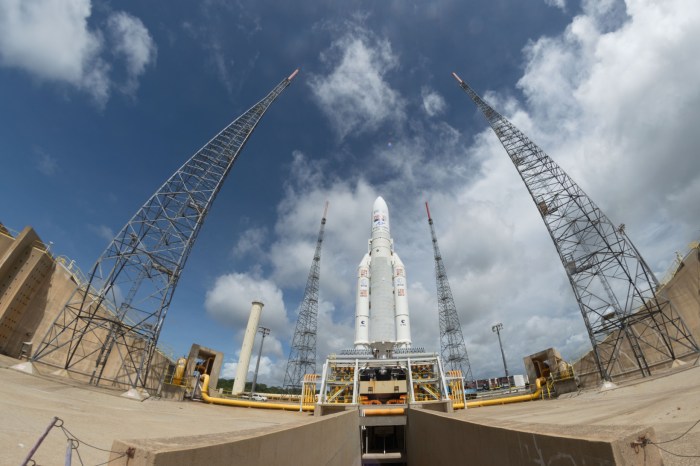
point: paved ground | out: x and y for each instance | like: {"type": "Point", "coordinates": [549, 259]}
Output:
{"type": "Point", "coordinates": [669, 403]}
{"type": "Point", "coordinates": [29, 403]}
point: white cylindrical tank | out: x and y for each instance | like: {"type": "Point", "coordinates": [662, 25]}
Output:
{"type": "Point", "coordinates": [381, 299]}
{"type": "Point", "coordinates": [403, 322]}
{"type": "Point", "coordinates": [362, 305]}
{"type": "Point", "coordinates": [247, 347]}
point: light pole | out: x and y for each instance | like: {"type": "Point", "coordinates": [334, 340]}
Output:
{"type": "Point", "coordinates": [265, 331]}
{"type": "Point", "coordinates": [497, 328]}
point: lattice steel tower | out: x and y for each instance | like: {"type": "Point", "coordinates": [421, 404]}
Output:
{"type": "Point", "coordinates": [302, 354]}
{"type": "Point", "coordinates": [615, 288]}
{"type": "Point", "coordinates": [452, 348]}
{"type": "Point", "coordinates": [117, 315]}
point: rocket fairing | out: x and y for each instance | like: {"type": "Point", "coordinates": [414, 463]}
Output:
{"type": "Point", "coordinates": [382, 321]}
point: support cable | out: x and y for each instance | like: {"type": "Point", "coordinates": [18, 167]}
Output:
{"type": "Point", "coordinates": [75, 444]}
{"type": "Point", "coordinates": [644, 441]}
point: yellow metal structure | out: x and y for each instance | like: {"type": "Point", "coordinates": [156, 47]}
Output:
{"type": "Point", "coordinates": [308, 391]}
{"type": "Point", "coordinates": [340, 383]}
{"type": "Point", "coordinates": [426, 382]}
{"type": "Point", "coordinates": [179, 371]}
{"type": "Point", "coordinates": [456, 384]}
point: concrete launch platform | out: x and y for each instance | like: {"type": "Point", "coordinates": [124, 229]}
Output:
{"type": "Point", "coordinates": [669, 404]}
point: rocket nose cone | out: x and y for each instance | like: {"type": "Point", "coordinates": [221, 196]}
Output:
{"type": "Point", "coordinates": [380, 204]}
{"type": "Point", "coordinates": [380, 214]}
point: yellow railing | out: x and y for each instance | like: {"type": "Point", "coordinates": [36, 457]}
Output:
{"type": "Point", "coordinates": [454, 380]}
{"type": "Point", "coordinates": [308, 391]}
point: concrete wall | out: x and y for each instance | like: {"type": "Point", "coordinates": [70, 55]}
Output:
{"type": "Point", "coordinates": [329, 440]}
{"type": "Point", "coordinates": [204, 353]}
{"type": "Point", "coordinates": [6, 239]}
{"type": "Point", "coordinates": [24, 271]}
{"type": "Point", "coordinates": [34, 289]}
{"type": "Point", "coordinates": [438, 439]}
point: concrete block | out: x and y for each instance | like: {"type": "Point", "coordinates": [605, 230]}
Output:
{"type": "Point", "coordinates": [433, 439]}
{"type": "Point", "coordinates": [330, 440]}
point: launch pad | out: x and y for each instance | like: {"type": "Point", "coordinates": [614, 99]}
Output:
{"type": "Point", "coordinates": [384, 376]}
{"type": "Point", "coordinates": [382, 390]}
{"type": "Point", "coordinates": [357, 378]}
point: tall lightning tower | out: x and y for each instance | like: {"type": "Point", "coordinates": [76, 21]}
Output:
{"type": "Point", "coordinates": [452, 347]}
{"type": "Point", "coordinates": [302, 354]}
{"type": "Point", "coordinates": [116, 316]}
{"type": "Point", "coordinates": [615, 288]}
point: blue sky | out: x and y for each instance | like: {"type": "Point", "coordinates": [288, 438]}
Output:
{"type": "Point", "coordinates": [101, 101]}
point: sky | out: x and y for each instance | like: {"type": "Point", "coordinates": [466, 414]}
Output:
{"type": "Point", "coordinates": [100, 102]}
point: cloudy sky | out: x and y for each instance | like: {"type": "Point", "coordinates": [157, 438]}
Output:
{"type": "Point", "coordinates": [102, 101]}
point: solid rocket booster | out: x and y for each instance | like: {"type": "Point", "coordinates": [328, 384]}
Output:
{"type": "Point", "coordinates": [362, 305]}
{"type": "Point", "coordinates": [381, 310]}
{"type": "Point", "coordinates": [403, 322]}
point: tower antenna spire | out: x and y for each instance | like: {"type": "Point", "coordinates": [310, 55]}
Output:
{"type": "Point", "coordinates": [452, 348]}
{"type": "Point", "coordinates": [615, 288]}
{"type": "Point", "coordinates": [124, 302]}
{"type": "Point", "coordinates": [302, 353]}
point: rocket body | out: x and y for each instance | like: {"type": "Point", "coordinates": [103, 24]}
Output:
{"type": "Point", "coordinates": [381, 311]}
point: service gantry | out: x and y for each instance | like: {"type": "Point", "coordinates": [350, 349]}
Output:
{"type": "Point", "coordinates": [117, 315]}
{"type": "Point", "coordinates": [615, 288]}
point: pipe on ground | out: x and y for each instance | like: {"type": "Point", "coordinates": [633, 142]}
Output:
{"type": "Point", "coordinates": [506, 400]}
{"type": "Point", "coordinates": [384, 412]}
{"type": "Point", "coordinates": [247, 404]}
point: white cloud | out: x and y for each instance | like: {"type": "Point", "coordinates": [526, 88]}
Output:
{"type": "Point", "coordinates": [556, 3]}
{"type": "Point", "coordinates": [267, 372]}
{"type": "Point", "coordinates": [229, 302]}
{"type": "Point", "coordinates": [46, 163]}
{"type": "Point", "coordinates": [132, 41]}
{"type": "Point", "coordinates": [228, 370]}
{"type": "Point", "coordinates": [250, 243]}
{"type": "Point", "coordinates": [102, 231]}
{"type": "Point", "coordinates": [354, 95]}
{"type": "Point", "coordinates": [433, 103]}
{"type": "Point", "coordinates": [624, 102]}
{"type": "Point", "coordinates": [220, 39]}
{"type": "Point", "coordinates": [52, 41]}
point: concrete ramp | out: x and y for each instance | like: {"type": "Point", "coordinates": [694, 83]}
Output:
{"type": "Point", "coordinates": [433, 438]}
{"type": "Point", "coordinates": [441, 439]}
{"type": "Point", "coordinates": [329, 440]}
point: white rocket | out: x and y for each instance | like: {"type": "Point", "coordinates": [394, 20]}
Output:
{"type": "Point", "coordinates": [381, 310]}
